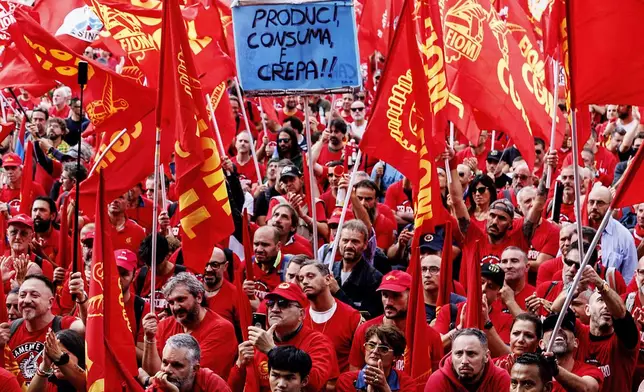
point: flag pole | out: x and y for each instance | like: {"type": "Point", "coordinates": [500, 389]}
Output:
{"type": "Point", "coordinates": [575, 163]}
{"type": "Point", "coordinates": [493, 139]}
{"type": "Point", "coordinates": [448, 170]}
{"type": "Point", "coordinates": [220, 142]}
{"type": "Point", "coordinates": [252, 141]}
{"type": "Point", "coordinates": [345, 207]}
{"type": "Point", "coordinates": [107, 149]}
{"type": "Point", "coordinates": [155, 221]}
{"type": "Point", "coordinates": [22, 109]}
{"type": "Point", "coordinates": [555, 72]}
{"type": "Point", "coordinates": [311, 175]}
{"type": "Point", "coordinates": [164, 196]}
{"type": "Point", "coordinates": [575, 282]}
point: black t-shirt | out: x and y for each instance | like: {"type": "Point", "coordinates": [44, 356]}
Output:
{"type": "Point", "coordinates": [501, 181]}
{"type": "Point", "coordinates": [260, 207]}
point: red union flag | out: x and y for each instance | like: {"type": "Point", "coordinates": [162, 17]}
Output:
{"type": "Point", "coordinates": [204, 209]}
{"type": "Point", "coordinates": [111, 101]}
{"type": "Point", "coordinates": [631, 187]}
{"type": "Point", "coordinates": [137, 28]}
{"type": "Point", "coordinates": [484, 66]}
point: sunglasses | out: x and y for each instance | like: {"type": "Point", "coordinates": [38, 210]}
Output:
{"type": "Point", "coordinates": [357, 109]}
{"type": "Point", "coordinates": [480, 190]}
{"type": "Point", "coordinates": [382, 349]}
{"type": "Point", "coordinates": [538, 152]}
{"type": "Point", "coordinates": [522, 177]}
{"type": "Point", "coordinates": [571, 263]}
{"type": "Point", "coordinates": [281, 303]}
{"type": "Point", "coordinates": [286, 140]}
{"type": "Point", "coordinates": [461, 174]}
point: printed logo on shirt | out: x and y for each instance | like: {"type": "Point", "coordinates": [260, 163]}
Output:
{"type": "Point", "coordinates": [128, 240]}
{"type": "Point", "coordinates": [564, 218]}
{"type": "Point", "coordinates": [490, 259]}
{"type": "Point", "coordinates": [605, 369]}
{"type": "Point", "coordinates": [159, 301]}
{"type": "Point", "coordinates": [263, 368]}
{"type": "Point", "coordinates": [26, 356]}
{"type": "Point", "coordinates": [533, 253]}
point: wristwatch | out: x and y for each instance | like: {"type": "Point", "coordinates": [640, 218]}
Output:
{"type": "Point", "coordinates": [63, 360]}
{"type": "Point", "coordinates": [604, 288]}
{"type": "Point", "coordinates": [488, 325]}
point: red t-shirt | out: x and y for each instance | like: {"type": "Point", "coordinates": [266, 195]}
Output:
{"type": "Point", "coordinates": [520, 297]}
{"type": "Point", "coordinates": [265, 282]}
{"type": "Point", "coordinates": [502, 321]}
{"type": "Point", "coordinates": [129, 237]}
{"type": "Point", "coordinates": [384, 226]}
{"type": "Point", "coordinates": [397, 200]}
{"type": "Point", "coordinates": [216, 337]}
{"type": "Point", "coordinates": [205, 381]}
{"type": "Point", "coordinates": [545, 240]}
{"type": "Point", "coordinates": [247, 171]}
{"type": "Point", "coordinates": [548, 269]}
{"type": "Point", "coordinates": [340, 329]}
{"type": "Point", "coordinates": [144, 292]}
{"type": "Point", "coordinates": [638, 377]}
{"type": "Point", "coordinates": [224, 302]}
{"type": "Point", "coordinates": [346, 381]}
{"type": "Point", "coordinates": [481, 158]}
{"type": "Point", "coordinates": [326, 155]}
{"type": "Point", "coordinates": [356, 357]}
{"type": "Point", "coordinates": [142, 214]}
{"type": "Point", "coordinates": [26, 345]}
{"type": "Point", "coordinates": [616, 362]}
{"type": "Point", "coordinates": [581, 369]}
{"type": "Point", "coordinates": [49, 245]}
{"type": "Point", "coordinates": [348, 118]}
{"type": "Point", "coordinates": [12, 196]}
{"type": "Point", "coordinates": [62, 113]}
{"type": "Point", "coordinates": [297, 245]}
{"type": "Point", "coordinates": [281, 116]}
{"type": "Point", "coordinates": [9, 382]}
{"type": "Point", "coordinates": [329, 202]}
{"type": "Point", "coordinates": [566, 211]}
{"type": "Point", "coordinates": [319, 348]}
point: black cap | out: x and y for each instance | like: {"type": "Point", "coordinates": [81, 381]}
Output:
{"type": "Point", "coordinates": [291, 171]}
{"type": "Point", "coordinates": [494, 155]}
{"type": "Point", "coordinates": [432, 241]}
{"type": "Point", "coordinates": [504, 205]}
{"type": "Point", "coordinates": [567, 323]}
{"type": "Point", "coordinates": [493, 272]}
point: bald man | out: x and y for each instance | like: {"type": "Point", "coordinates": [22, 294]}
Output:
{"type": "Point", "coordinates": [617, 245]}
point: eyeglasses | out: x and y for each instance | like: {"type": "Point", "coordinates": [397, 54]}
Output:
{"type": "Point", "coordinates": [285, 140]}
{"type": "Point", "coordinates": [480, 190]}
{"type": "Point", "coordinates": [522, 177]}
{"type": "Point", "coordinates": [640, 272]}
{"type": "Point", "coordinates": [281, 303]}
{"type": "Point", "coordinates": [431, 270]}
{"type": "Point", "coordinates": [215, 265]}
{"type": "Point", "coordinates": [14, 233]}
{"type": "Point", "coordinates": [357, 109]}
{"type": "Point", "coordinates": [382, 349]}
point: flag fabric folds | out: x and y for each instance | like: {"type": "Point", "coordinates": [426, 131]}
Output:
{"type": "Point", "coordinates": [631, 188]}
{"type": "Point", "coordinates": [108, 329]}
{"type": "Point", "coordinates": [446, 283]}
{"type": "Point", "coordinates": [204, 209]}
{"type": "Point", "coordinates": [473, 316]}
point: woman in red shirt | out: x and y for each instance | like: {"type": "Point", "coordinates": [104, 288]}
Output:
{"type": "Point", "coordinates": [481, 194]}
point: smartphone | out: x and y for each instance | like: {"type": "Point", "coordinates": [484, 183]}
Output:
{"type": "Point", "coordinates": [558, 199]}
{"type": "Point", "coordinates": [259, 320]}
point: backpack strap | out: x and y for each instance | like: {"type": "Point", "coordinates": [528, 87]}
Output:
{"type": "Point", "coordinates": [14, 326]}
{"type": "Point", "coordinates": [140, 280]}
{"type": "Point", "coordinates": [630, 301]}
{"type": "Point", "coordinates": [453, 309]}
{"type": "Point", "coordinates": [552, 285]}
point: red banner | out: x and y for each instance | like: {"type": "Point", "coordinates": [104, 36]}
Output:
{"type": "Point", "coordinates": [631, 188]}
{"type": "Point", "coordinates": [111, 101]}
{"type": "Point", "coordinates": [107, 322]}
{"type": "Point", "coordinates": [16, 72]}
{"type": "Point", "coordinates": [138, 31]}
{"type": "Point", "coordinates": [204, 209]}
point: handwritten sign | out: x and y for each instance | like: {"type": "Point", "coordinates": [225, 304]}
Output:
{"type": "Point", "coordinates": [288, 48]}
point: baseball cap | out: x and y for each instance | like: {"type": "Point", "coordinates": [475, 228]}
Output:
{"type": "Point", "coordinates": [289, 291]}
{"type": "Point", "coordinates": [396, 281]}
{"type": "Point", "coordinates": [493, 272]}
{"type": "Point", "coordinates": [291, 171]}
{"type": "Point", "coordinates": [504, 205]}
{"type": "Point", "coordinates": [125, 258]}
{"type": "Point", "coordinates": [567, 323]}
{"type": "Point", "coordinates": [494, 155]}
{"type": "Point", "coordinates": [23, 220]}
{"type": "Point", "coordinates": [432, 241]}
{"type": "Point", "coordinates": [335, 216]}
{"type": "Point", "coordinates": [11, 160]}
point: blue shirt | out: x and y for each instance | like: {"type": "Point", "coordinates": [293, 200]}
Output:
{"type": "Point", "coordinates": [618, 249]}
{"type": "Point", "coordinates": [389, 176]}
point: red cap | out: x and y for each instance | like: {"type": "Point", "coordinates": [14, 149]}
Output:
{"type": "Point", "coordinates": [335, 217]}
{"type": "Point", "coordinates": [11, 160]}
{"type": "Point", "coordinates": [88, 235]}
{"type": "Point", "coordinates": [23, 220]}
{"type": "Point", "coordinates": [396, 281]}
{"type": "Point", "coordinates": [125, 258]}
{"type": "Point", "coordinates": [290, 291]}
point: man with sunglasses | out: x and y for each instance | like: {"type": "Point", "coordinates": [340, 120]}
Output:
{"type": "Point", "coordinates": [286, 316]}
{"type": "Point", "coordinates": [394, 291]}
{"type": "Point", "coordinates": [359, 123]}
{"type": "Point", "coordinates": [617, 245]}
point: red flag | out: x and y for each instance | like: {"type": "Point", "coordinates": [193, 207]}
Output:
{"type": "Point", "coordinates": [473, 317]}
{"type": "Point", "coordinates": [248, 246]}
{"type": "Point", "coordinates": [446, 281]}
{"type": "Point", "coordinates": [204, 209]}
{"type": "Point", "coordinates": [592, 24]}
{"type": "Point", "coordinates": [63, 258]}
{"type": "Point", "coordinates": [418, 363]}
{"type": "Point", "coordinates": [554, 29]}
{"type": "Point", "coordinates": [220, 101]}
{"type": "Point", "coordinates": [138, 31]}
{"type": "Point", "coordinates": [584, 118]}
{"type": "Point", "coordinates": [5, 130]}
{"type": "Point", "coordinates": [376, 26]}
{"type": "Point", "coordinates": [71, 21]}
{"type": "Point", "coordinates": [111, 101]}
{"type": "Point", "coordinates": [631, 187]}
{"type": "Point", "coordinates": [268, 106]}
{"type": "Point", "coordinates": [27, 180]}
{"type": "Point", "coordinates": [107, 323]}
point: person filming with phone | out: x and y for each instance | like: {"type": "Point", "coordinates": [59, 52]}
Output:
{"type": "Point", "coordinates": [286, 304]}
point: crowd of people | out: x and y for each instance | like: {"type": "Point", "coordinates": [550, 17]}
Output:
{"type": "Point", "coordinates": [334, 318]}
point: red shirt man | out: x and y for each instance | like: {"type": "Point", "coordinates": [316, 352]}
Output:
{"type": "Point", "coordinates": [141, 210]}
{"type": "Point", "coordinates": [10, 191]}
{"type": "Point", "coordinates": [129, 236]}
